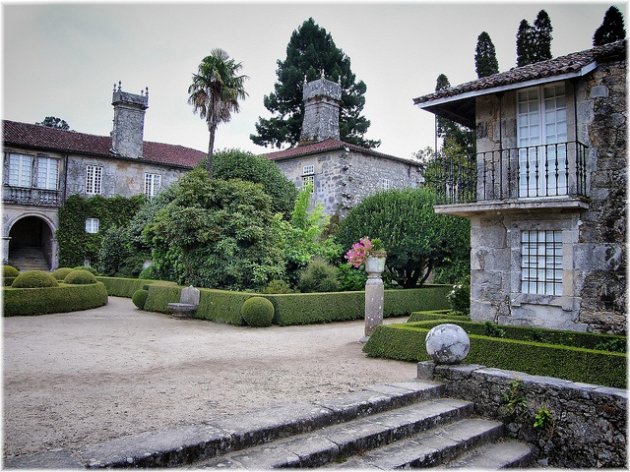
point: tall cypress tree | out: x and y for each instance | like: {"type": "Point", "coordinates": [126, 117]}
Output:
{"type": "Point", "coordinates": [485, 56]}
{"type": "Point", "coordinates": [449, 130]}
{"type": "Point", "coordinates": [611, 29]}
{"type": "Point", "coordinates": [524, 44]}
{"type": "Point", "coordinates": [310, 51]}
{"type": "Point", "coordinates": [542, 37]}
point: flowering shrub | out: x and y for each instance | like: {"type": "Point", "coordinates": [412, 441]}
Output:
{"type": "Point", "coordinates": [360, 251]}
{"type": "Point", "coordinates": [459, 296]}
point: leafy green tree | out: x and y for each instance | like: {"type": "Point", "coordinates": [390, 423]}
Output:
{"type": "Point", "coordinates": [417, 239]}
{"type": "Point", "coordinates": [310, 51]}
{"type": "Point", "coordinates": [216, 233]}
{"type": "Point", "coordinates": [611, 29]}
{"type": "Point", "coordinates": [237, 164]}
{"type": "Point", "coordinates": [215, 92]}
{"type": "Point", "coordinates": [54, 122]}
{"type": "Point", "coordinates": [448, 129]}
{"type": "Point", "coordinates": [485, 56]}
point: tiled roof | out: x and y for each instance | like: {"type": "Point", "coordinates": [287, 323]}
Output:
{"type": "Point", "coordinates": [327, 145]}
{"type": "Point", "coordinates": [70, 142]}
{"type": "Point", "coordinates": [553, 67]}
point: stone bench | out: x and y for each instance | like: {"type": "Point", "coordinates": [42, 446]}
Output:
{"type": "Point", "coordinates": [188, 303]}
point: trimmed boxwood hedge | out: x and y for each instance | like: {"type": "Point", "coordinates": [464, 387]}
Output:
{"type": "Point", "coordinates": [8, 281]}
{"type": "Point", "coordinates": [407, 342]}
{"type": "Point", "coordinates": [432, 315]}
{"type": "Point", "coordinates": [126, 287]}
{"type": "Point", "coordinates": [65, 298]}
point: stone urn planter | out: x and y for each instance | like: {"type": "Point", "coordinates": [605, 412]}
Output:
{"type": "Point", "coordinates": [375, 264]}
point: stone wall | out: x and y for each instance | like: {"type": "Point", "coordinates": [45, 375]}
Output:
{"type": "Point", "coordinates": [587, 427]}
{"type": "Point", "coordinates": [120, 176]}
{"type": "Point", "coordinates": [128, 130]}
{"type": "Point", "coordinates": [344, 178]}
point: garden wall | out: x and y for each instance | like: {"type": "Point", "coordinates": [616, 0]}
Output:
{"type": "Point", "coordinates": [587, 427]}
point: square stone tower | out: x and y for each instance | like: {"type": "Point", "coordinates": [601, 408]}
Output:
{"type": "Point", "coordinates": [322, 101]}
{"type": "Point", "coordinates": [128, 132]}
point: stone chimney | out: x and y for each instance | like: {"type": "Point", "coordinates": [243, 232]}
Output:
{"type": "Point", "coordinates": [128, 132]}
{"type": "Point", "coordinates": [322, 101]}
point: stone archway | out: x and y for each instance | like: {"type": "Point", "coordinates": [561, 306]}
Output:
{"type": "Point", "coordinates": [31, 244]}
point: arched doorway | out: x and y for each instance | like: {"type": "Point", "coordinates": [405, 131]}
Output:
{"type": "Point", "coordinates": [31, 244]}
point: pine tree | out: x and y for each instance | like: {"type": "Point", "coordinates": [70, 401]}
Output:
{"type": "Point", "coordinates": [611, 29]}
{"type": "Point", "coordinates": [485, 56]}
{"type": "Point", "coordinates": [542, 37]}
{"type": "Point", "coordinates": [524, 37]}
{"type": "Point", "coordinates": [311, 49]}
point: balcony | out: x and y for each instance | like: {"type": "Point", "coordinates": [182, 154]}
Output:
{"type": "Point", "coordinates": [31, 196]}
{"type": "Point", "coordinates": [533, 177]}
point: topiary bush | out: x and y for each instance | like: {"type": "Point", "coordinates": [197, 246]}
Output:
{"type": "Point", "coordinates": [9, 271]}
{"type": "Point", "coordinates": [34, 279]}
{"type": "Point", "coordinates": [80, 277]}
{"type": "Point", "coordinates": [139, 298]}
{"type": "Point", "coordinates": [91, 270]}
{"type": "Point", "coordinates": [61, 273]}
{"type": "Point", "coordinates": [257, 312]}
{"type": "Point", "coordinates": [319, 276]}
{"type": "Point", "coordinates": [277, 286]}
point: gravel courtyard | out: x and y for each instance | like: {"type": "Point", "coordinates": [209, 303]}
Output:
{"type": "Point", "coordinates": [88, 376]}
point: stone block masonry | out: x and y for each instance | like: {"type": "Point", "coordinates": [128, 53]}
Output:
{"type": "Point", "coordinates": [587, 425]}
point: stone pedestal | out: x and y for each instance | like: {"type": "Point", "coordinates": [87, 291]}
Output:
{"type": "Point", "coordinates": [374, 295]}
{"type": "Point", "coordinates": [5, 249]}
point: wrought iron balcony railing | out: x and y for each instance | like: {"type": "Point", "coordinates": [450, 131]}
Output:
{"type": "Point", "coordinates": [540, 171]}
{"type": "Point", "coordinates": [31, 196]}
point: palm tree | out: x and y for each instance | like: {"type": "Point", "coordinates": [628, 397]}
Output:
{"type": "Point", "coordinates": [215, 92]}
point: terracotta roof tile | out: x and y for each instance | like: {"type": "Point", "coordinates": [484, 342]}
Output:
{"type": "Point", "coordinates": [552, 67]}
{"type": "Point", "coordinates": [48, 139]}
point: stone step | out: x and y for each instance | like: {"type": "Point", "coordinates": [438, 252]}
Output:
{"type": "Point", "coordinates": [193, 444]}
{"type": "Point", "coordinates": [333, 443]}
{"type": "Point", "coordinates": [500, 455]}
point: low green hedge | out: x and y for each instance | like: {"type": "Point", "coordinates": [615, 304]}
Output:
{"type": "Point", "coordinates": [65, 298]}
{"type": "Point", "coordinates": [307, 308]}
{"type": "Point", "coordinates": [7, 281]}
{"type": "Point", "coordinates": [407, 342]}
{"type": "Point", "coordinates": [446, 315]}
{"type": "Point", "coordinates": [126, 287]}
{"type": "Point", "coordinates": [540, 335]}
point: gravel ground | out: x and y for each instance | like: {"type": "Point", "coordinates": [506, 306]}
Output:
{"type": "Point", "coordinates": [83, 377]}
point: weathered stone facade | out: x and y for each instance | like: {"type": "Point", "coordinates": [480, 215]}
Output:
{"type": "Point", "coordinates": [322, 100]}
{"type": "Point", "coordinates": [587, 427]}
{"type": "Point", "coordinates": [128, 130]}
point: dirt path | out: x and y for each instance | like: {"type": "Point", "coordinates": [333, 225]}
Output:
{"type": "Point", "coordinates": [83, 377]}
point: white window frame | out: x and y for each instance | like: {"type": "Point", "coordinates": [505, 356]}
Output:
{"type": "Point", "coordinates": [308, 179]}
{"type": "Point", "coordinates": [387, 184]}
{"type": "Point", "coordinates": [308, 169]}
{"type": "Point", "coordinates": [92, 225]}
{"type": "Point", "coordinates": [542, 121]}
{"type": "Point", "coordinates": [47, 173]}
{"type": "Point", "coordinates": [20, 170]}
{"type": "Point", "coordinates": [152, 184]}
{"type": "Point", "coordinates": [94, 180]}
{"type": "Point", "coordinates": [542, 262]}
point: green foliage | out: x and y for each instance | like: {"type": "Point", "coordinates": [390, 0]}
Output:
{"type": "Point", "coordinates": [514, 404]}
{"type": "Point", "coordinates": [278, 286]}
{"type": "Point", "coordinates": [485, 56]}
{"type": "Point", "coordinates": [459, 296]}
{"type": "Point", "coordinates": [257, 312]}
{"type": "Point", "coordinates": [565, 362]}
{"type": "Point", "coordinates": [611, 29]}
{"type": "Point", "coordinates": [116, 254]}
{"type": "Point", "coordinates": [493, 330]}
{"type": "Point", "coordinates": [54, 122]}
{"type": "Point", "coordinates": [319, 276]}
{"type": "Point", "coordinates": [7, 281]}
{"type": "Point", "coordinates": [80, 277]}
{"type": "Point", "coordinates": [148, 273]}
{"type": "Point", "coordinates": [216, 233]}
{"type": "Point", "coordinates": [542, 417]}
{"type": "Point", "coordinates": [417, 239]}
{"type": "Point", "coordinates": [34, 279]}
{"type": "Point", "coordinates": [351, 279]}
{"type": "Point", "coordinates": [126, 287]}
{"type": "Point", "coordinates": [91, 270]}
{"type": "Point", "coordinates": [303, 237]}
{"type": "Point", "coordinates": [75, 245]}
{"type": "Point", "coordinates": [310, 51]}
{"type": "Point", "coordinates": [445, 316]}
{"type": "Point", "coordinates": [139, 298]}
{"type": "Point", "coordinates": [9, 271]}
{"type": "Point", "coordinates": [612, 345]}
{"type": "Point", "coordinates": [533, 43]}
{"type": "Point", "coordinates": [61, 272]}
{"type": "Point", "coordinates": [237, 164]}
{"type": "Point", "coordinates": [452, 271]}
{"type": "Point", "coordinates": [62, 299]}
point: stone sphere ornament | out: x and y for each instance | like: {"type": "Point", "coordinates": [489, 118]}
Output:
{"type": "Point", "coordinates": [447, 344]}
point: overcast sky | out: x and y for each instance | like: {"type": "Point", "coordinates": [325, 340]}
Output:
{"type": "Point", "coordinates": [62, 60]}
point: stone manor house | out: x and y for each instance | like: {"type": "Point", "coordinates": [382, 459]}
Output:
{"type": "Point", "coordinates": [547, 194]}
{"type": "Point", "coordinates": [42, 166]}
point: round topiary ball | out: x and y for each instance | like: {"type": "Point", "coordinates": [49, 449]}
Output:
{"type": "Point", "coordinates": [80, 277]}
{"type": "Point", "coordinates": [10, 271]}
{"type": "Point", "coordinates": [139, 298]}
{"type": "Point", "coordinates": [91, 270]}
{"type": "Point", "coordinates": [34, 279]}
{"type": "Point", "coordinates": [62, 272]}
{"type": "Point", "coordinates": [257, 312]}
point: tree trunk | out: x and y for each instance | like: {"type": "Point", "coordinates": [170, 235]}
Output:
{"type": "Point", "coordinates": [211, 128]}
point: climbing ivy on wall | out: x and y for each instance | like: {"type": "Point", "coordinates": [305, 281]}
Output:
{"type": "Point", "coordinates": [75, 244]}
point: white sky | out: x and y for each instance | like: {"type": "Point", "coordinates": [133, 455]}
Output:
{"type": "Point", "coordinates": [62, 60]}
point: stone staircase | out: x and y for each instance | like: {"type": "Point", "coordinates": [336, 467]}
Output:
{"type": "Point", "coordinates": [400, 425]}
{"type": "Point", "coordinates": [28, 258]}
